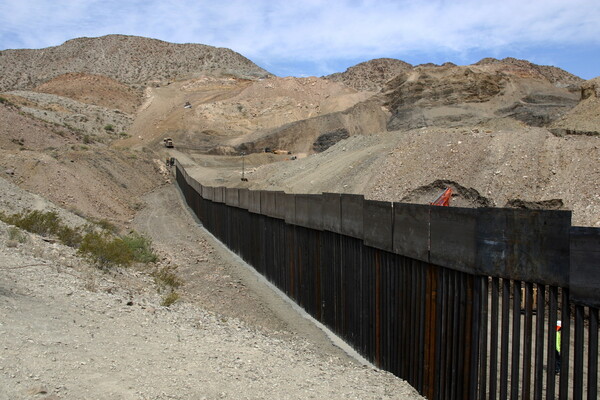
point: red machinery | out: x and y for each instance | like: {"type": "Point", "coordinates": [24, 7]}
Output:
{"type": "Point", "coordinates": [444, 199]}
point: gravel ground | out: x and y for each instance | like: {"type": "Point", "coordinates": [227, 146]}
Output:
{"type": "Point", "coordinates": [70, 331]}
{"type": "Point", "coordinates": [529, 164]}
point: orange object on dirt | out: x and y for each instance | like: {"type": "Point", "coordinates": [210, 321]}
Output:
{"type": "Point", "coordinates": [444, 199]}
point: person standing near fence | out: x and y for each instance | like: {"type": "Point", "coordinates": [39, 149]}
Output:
{"type": "Point", "coordinates": [558, 334]}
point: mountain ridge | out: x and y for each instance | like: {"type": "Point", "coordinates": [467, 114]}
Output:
{"type": "Point", "coordinates": [128, 59]}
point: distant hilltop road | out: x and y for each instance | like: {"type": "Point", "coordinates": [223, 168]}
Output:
{"type": "Point", "coordinates": [128, 59]}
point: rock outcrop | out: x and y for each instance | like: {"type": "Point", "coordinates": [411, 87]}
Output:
{"type": "Point", "coordinates": [371, 75]}
{"type": "Point", "coordinates": [450, 95]}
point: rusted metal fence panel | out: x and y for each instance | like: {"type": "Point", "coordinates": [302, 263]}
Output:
{"type": "Point", "coordinates": [331, 212]}
{"type": "Point", "coordinates": [351, 212]}
{"type": "Point", "coordinates": [453, 237]}
{"type": "Point", "coordinates": [463, 304]}
{"type": "Point", "coordinates": [378, 224]}
{"type": "Point", "coordinates": [267, 203]}
{"type": "Point", "coordinates": [308, 211]}
{"type": "Point", "coordinates": [529, 245]}
{"type": "Point", "coordinates": [585, 265]}
{"type": "Point", "coordinates": [411, 230]}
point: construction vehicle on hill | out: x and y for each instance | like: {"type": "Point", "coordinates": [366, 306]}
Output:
{"type": "Point", "coordinates": [168, 142]}
{"type": "Point", "coordinates": [444, 199]}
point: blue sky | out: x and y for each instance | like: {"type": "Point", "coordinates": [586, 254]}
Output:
{"type": "Point", "coordinates": [319, 37]}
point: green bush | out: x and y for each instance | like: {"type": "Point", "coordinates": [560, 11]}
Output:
{"type": "Point", "coordinates": [106, 250]}
{"type": "Point", "coordinates": [141, 247]}
{"type": "Point", "coordinates": [102, 247]}
{"type": "Point", "coordinates": [16, 234]}
{"type": "Point", "coordinates": [165, 277]}
{"type": "Point", "coordinates": [69, 236]}
{"type": "Point", "coordinates": [109, 128]}
{"type": "Point", "coordinates": [42, 223]}
{"type": "Point", "coordinates": [45, 224]}
{"type": "Point", "coordinates": [106, 225]}
{"type": "Point", "coordinates": [170, 299]}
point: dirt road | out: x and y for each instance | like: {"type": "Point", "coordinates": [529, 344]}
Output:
{"type": "Point", "coordinates": [214, 279]}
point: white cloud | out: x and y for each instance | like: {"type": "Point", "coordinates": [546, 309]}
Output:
{"type": "Point", "coordinates": [310, 30]}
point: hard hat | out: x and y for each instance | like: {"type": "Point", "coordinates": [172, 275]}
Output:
{"type": "Point", "coordinates": [558, 324]}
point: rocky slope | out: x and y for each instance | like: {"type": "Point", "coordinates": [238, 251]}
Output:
{"type": "Point", "coordinates": [524, 68]}
{"type": "Point", "coordinates": [66, 166]}
{"type": "Point", "coordinates": [71, 331]}
{"type": "Point", "coordinates": [365, 118]}
{"type": "Point", "coordinates": [371, 75]}
{"type": "Point", "coordinates": [501, 100]}
{"type": "Point", "coordinates": [97, 90]}
{"type": "Point", "coordinates": [583, 119]}
{"type": "Point", "coordinates": [485, 167]}
{"type": "Point", "coordinates": [96, 122]}
{"type": "Point", "coordinates": [128, 59]}
{"type": "Point", "coordinates": [453, 95]}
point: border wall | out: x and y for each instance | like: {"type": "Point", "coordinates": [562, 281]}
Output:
{"type": "Point", "coordinates": [461, 303]}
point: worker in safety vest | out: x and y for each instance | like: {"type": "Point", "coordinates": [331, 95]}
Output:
{"type": "Point", "coordinates": [558, 334]}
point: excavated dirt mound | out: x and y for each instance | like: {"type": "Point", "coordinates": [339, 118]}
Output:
{"type": "Point", "coordinates": [273, 102]}
{"type": "Point", "coordinates": [164, 114]}
{"type": "Point", "coordinates": [222, 111]}
{"type": "Point", "coordinates": [553, 204]}
{"type": "Point", "coordinates": [461, 196]}
{"type": "Point", "coordinates": [94, 89]}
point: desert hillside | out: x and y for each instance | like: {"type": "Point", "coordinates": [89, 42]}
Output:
{"type": "Point", "coordinates": [81, 138]}
{"type": "Point", "coordinates": [97, 90]}
{"type": "Point", "coordinates": [371, 75]}
{"type": "Point", "coordinates": [517, 133]}
{"type": "Point", "coordinates": [583, 119]}
{"type": "Point", "coordinates": [66, 166]}
{"type": "Point", "coordinates": [128, 59]}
